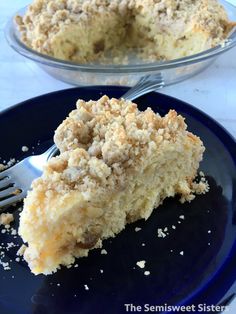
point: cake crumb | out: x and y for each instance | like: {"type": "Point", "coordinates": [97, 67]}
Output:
{"type": "Point", "coordinates": [182, 217]}
{"type": "Point", "coordinates": [209, 231]}
{"type": "Point", "coordinates": [24, 148]}
{"type": "Point", "coordinates": [160, 233]}
{"type": "Point", "coordinates": [101, 271]}
{"type": "Point", "coordinates": [173, 227]}
{"type": "Point", "coordinates": [141, 264]}
{"type": "Point", "coordinates": [2, 167]}
{"type": "Point", "coordinates": [143, 244]}
{"type": "Point", "coordinates": [21, 250]}
{"type": "Point", "coordinates": [103, 252]}
{"type": "Point", "coordinates": [181, 253]}
{"type": "Point", "coordinates": [13, 231]}
{"type": "Point", "coordinates": [137, 229]}
{"type": "Point", "coordinates": [11, 162]}
{"type": "Point", "coordinates": [17, 259]}
{"type": "Point", "coordinates": [147, 273]}
{"type": "Point", "coordinates": [6, 219]}
{"type": "Point", "coordinates": [86, 287]}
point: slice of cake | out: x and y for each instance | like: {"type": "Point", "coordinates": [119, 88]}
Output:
{"type": "Point", "coordinates": [116, 165]}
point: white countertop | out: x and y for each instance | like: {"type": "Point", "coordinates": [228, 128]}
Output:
{"type": "Point", "coordinates": [213, 91]}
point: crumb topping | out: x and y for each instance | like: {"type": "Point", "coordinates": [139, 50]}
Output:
{"type": "Point", "coordinates": [102, 141]}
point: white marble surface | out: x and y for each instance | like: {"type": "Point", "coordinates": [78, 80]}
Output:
{"type": "Point", "coordinates": [213, 91]}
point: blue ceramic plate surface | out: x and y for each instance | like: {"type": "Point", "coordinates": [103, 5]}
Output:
{"type": "Point", "coordinates": [205, 272]}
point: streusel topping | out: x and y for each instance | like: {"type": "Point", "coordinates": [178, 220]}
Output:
{"type": "Point", "coordinates": [101, 141]}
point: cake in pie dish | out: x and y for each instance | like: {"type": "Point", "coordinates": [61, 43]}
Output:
{"type": "Point", "coordinates": [103, 31]}
{"type": "Point", "coordinates": [116, 165]}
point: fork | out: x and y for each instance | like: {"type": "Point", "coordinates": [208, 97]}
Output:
{"type": "Point", "coordinates": [16, 181]}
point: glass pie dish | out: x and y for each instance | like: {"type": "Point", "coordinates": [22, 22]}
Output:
{"type": "Point", "coordinates": [172, 71]}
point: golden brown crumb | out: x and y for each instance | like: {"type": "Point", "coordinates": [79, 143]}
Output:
{"type": "Point", "coordinates": [6, 219]}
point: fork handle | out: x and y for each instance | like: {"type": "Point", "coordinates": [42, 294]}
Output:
{"type": "Point", "coordinates": [146, 84]}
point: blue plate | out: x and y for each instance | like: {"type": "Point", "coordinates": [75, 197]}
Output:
{"type": "Point", "coordinates": [204, 273]}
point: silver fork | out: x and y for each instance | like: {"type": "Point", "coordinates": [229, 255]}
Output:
{"type": "Point", "coordinates": [16, 181]}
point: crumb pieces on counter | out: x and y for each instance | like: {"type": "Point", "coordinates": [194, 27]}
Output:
{"type": "Point", "coordinates": [209, 231]}
{"type": "Point", "coordinates": [181, 253]}
{"type": "Point", "coordinates": [86, 287]}
{"type": "Point", "coordinates": [104, 252]}
{"type": "Point", "coordinates": [141, 264]}
{"type": "Point", "coordinates": [143, 244]}
{"type": "Point", "coordinates": [24, 149]}
{"type": "Point", "coordinates": [6, 219]}
{"type": "Point", "coordinates": [173, 227]}
{"type": "Point", "coordinates": [181, 217]}
{"type": "Point", "coordinates": [137, 229]}
{"type": "Point", "coordinates": [101, 271]}
{"type": "Point", "coordinates": [147, 273]}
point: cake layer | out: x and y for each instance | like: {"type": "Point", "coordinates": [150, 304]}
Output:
{"type": "Point", "coordinates": [116, 165]}
{"type": "Point", "coordinates": [108, 30]}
